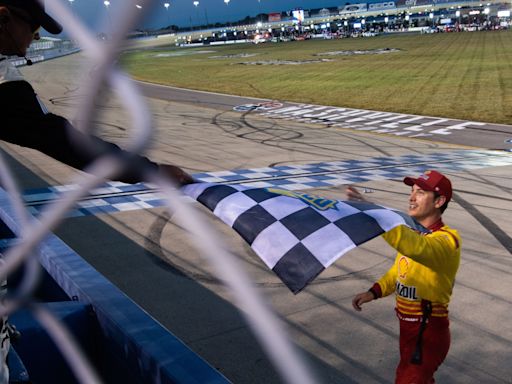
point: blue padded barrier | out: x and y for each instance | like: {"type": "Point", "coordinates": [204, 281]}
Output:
{"type": "Point", "coordinates": [17, 371]}
{"type": "Point", "coordinates": [37, 351]}
{"type": "Point", "coordinates": [134, 348]}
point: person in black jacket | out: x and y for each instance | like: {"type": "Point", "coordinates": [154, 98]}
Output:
{"type": "Point", "coordinates": [27, 122]}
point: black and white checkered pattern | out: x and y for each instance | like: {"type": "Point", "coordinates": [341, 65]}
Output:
{"type": "Point", "coordinates": [297, 235]}
{"type": "Point", "coordinates": [298, 177]}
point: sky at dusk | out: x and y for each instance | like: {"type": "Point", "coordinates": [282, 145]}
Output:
{"type": "Point", "coordinates": [184, 13]}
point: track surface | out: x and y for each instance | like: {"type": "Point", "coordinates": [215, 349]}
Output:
{"type": "Point", "coordinates": [151, 259]}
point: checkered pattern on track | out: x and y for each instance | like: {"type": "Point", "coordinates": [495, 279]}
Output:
{"type": "Point", "coordinates": [335, 173]}
{"type": "Point", "coordinates": [118, 197]}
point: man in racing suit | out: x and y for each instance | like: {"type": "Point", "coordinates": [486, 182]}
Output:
{"type": "Point", "coordinates": [26, 121]}
{"type": "Point", "coordinates": [422, 278]}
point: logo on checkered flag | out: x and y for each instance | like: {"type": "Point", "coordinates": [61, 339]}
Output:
{"type": "Point", "coordinates": [296, 235]}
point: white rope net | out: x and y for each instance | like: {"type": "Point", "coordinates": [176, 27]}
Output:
{"type": "Point", "coordinates": [263, 321]}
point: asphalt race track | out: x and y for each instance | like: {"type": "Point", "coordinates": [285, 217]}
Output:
{"type": "Point", "coordinates": [151, 259]}
{"type": "Point", "coordinates": [452, 131]}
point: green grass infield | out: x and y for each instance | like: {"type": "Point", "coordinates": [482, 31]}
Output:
{"type": "Point", "coordinates": [459, 75]}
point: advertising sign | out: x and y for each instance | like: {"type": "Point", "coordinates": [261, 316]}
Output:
{"type": "Point", "coordinates": [353, 8]}
{"type": "Point", "coordinates": [298, 15]}
{"type": "Point", "coordinates": [276, 16]}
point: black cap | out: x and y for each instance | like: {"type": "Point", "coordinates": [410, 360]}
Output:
{"type": "Point", "coordinates": [36, 10]}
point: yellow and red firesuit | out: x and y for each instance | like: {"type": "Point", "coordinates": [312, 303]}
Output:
{"type": "Point", "coordinates": [422, 276]}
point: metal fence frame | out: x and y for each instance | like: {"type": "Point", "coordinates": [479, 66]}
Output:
{"type": "Point", "coordinates": [263, 321]}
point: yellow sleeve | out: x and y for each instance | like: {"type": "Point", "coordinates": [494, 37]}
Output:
{"type": "Point", "coordinates": [432, 250]}
{"type": "Point", "coordinates": [388, 280]}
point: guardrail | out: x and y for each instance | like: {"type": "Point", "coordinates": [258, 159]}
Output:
{"type": "Point", "coordinates": [129, 345]}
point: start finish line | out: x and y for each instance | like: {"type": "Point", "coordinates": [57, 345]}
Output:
{"type": "Point", "coordinates": [483, 135]}
{"type": "Point", "coordinates": [378, 122]}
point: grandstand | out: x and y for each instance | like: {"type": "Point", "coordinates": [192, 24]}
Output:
{"type": "Point", "coordinates": [382, 17]}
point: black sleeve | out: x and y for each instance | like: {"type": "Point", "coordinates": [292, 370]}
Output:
{"type": "Point", "coordinates": [26, 123]}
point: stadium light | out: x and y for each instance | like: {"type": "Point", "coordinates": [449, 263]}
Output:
{"type": "Point", "coordinates": [227, 2]}
{"type": "Point", "coordinates": [167, 5]}
{"type": "Point", "coordinates": [138, 6]}
{"type": "Point", "coordinates": [196, 3]}
{"type": "Point", "coordinates": [107, 3]}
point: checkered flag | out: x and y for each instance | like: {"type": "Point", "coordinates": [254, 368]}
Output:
{"type": "Point", "coordinates": [297, 235]}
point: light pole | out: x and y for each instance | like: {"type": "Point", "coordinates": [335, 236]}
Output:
{"type": "Point", "coordinates": [227, 3]}
{"type": "Point", "coordinates": [139, 7]}
{"type": "Point", "coordinates": [167, 5]}
{"type": "Point", "coordinates": [196, 4]}
{"type": "Point", "coordinates": [71, 5]}
{"type": "Point", "coordinates": [107, 4]}
{"type": "Point", "coordinates": [486, 12]}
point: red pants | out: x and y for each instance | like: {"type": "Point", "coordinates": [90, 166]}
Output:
{"type": "Point", "coordinates": [436, 342]}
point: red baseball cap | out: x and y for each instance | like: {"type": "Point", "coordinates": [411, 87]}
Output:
{"type": "Point", "coordinates": [432, 181]}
